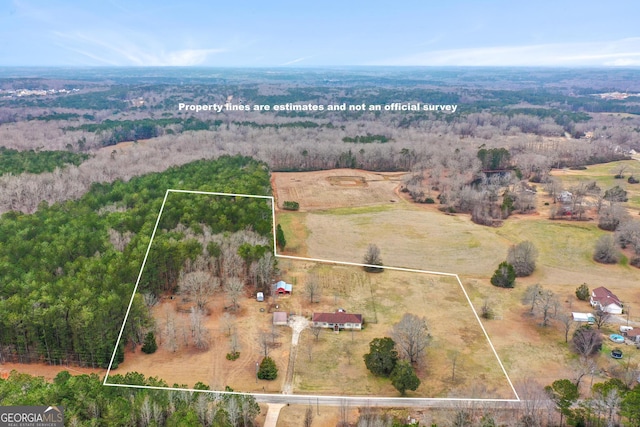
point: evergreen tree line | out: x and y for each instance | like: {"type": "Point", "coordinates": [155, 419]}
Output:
{"type": "Point", "coordinates": [87, 402]}
{"type": "Point", "coordinates": [16, 162]}
{"type": "Point", "coordinates": [68, 270]}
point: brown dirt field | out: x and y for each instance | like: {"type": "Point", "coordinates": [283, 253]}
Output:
{"type": "Point", "coordinates": [189, 365]}
{"type": "Point", "coordinates": [335, 188]}
{"type": "Point", "coordinates": [48, 372]}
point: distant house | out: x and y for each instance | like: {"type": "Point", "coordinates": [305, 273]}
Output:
{"type": "Point", "coordinates": [283, 288]}
{"type": "Point", "coordinates": [280, 318]}
{"type": "Point", "coordinates": [338, 320]}
{"type": "Point", "coordinates": [605, 300]}
{"type": "Point", "coordinates": [634, 335]}
{"type": "Point", "coordinates": [565, 197]}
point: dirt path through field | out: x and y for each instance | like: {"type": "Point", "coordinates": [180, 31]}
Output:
{"type": "Point", "coordinates": [297, 324]}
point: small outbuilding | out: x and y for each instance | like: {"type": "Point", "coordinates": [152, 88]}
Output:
{"type": "Point", "coordinates": [283, 288]}
{"type": "Point", "coordinates": [260, 297]}
{"type": "Point", "coordinates": [583, 317]}
{"type": "Point", "coordinates": [280, 318]}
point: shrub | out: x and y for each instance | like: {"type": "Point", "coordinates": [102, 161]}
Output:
{"type": "Point", "coordinates": [429, 200]}
{"type": "Point", "coordinates": [632, 180]}
{"type": "Point", "coordinates": [290, 205]}
{"type": "Point", "coordinates": [268, 369]}
{"type": "Point", "coordinates": [372, 257]}
{"type": "Point", "coordinates": [606, 251]}
{"type": "Point", "coordinates": [504, 276]}
{"type": "Point", "coordinates": [616, 194]}
{"type": "Point", "coordinates": [233, 355]}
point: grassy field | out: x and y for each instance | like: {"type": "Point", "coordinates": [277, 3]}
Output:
{"type": "Point", "coordinates": [383, 299]}
{"type": "Point", "coordinates": [419, 236]}
{"type": "Point", "coordinates": [603, 175]}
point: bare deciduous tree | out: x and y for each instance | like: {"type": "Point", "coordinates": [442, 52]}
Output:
{"type": "Point", "coordinates": [315, 331]}
{"type": "Point", "coordinates": [566, 321]}
{"type": "Point", "coordinates": [199, 332]}
{"type": "Point", "coordinates": [523, 258]}
{"type": "Point", "coordinates": [531, 296]}
{"type": "Point", "coordinates": [547, 305]}
{"type": "Point", "coordinates": [411, 336]}
{"type": "Point", "coordinates": [264, 342]}
{"type": "Point", "coordinates": [233, 288]}
{"type": "Point", "coordinates": [199, 286]}
{"type": "Point", "coordinates": [586, 341]}
{"type": "Point", "coordinates": [227, 323]}
{"type": "Point", "coordinates": [312, 288]}
{"type": "Point", "coordinates": [373, 259]}
{"type": "Point", "coordinates": [601, 318]}
{"type": "Point", "coordinates": [234, 342]}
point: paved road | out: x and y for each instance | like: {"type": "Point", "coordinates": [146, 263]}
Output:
{"type": "Point", "coordinates": [382, 402]}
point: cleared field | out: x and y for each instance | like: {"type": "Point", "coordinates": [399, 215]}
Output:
{"type": "Point", "coordinates": [419, 236]}
{"type": "Point", "coordinates": [407, 237]}
{"type": "Point", "coordinates": [335, 188]}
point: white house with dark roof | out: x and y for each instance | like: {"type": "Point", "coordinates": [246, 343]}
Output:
{"type": "Point", "coordinates": [605, 300]}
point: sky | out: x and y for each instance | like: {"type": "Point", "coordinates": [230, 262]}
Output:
{"type": "Point", "coordinates": [566, 33]}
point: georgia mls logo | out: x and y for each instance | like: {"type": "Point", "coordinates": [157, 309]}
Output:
{"type": "Point", "coordinates": [31, 416]}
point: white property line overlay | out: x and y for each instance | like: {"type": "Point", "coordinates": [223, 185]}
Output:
{"type": "Point", "coordinates": [355, 264]}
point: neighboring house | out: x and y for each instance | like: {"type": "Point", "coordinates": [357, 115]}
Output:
{"type": "Point", "coordinates": [565, 197]}
{"type": "Point", "coordinates": [280, 318]}
{"type": "Point", "coordinates": [605, 300]}
{"type": "Point", "coordinates": [284, 288]}
{"type": "Point", "coordinates": [338, 320]}
{"type": "Point", "coordinates": [634, 335]}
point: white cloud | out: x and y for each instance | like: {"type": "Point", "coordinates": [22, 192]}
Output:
{"type": "Point", "coordinates": [614, 53]}
{"type": "Point", "coordinates": [130, 49]}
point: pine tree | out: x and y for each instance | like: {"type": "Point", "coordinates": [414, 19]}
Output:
{"type": "Point", "coordinates": [150, 345]}
{"type": "Point", "coordinates": [280, 240]}
{"type": "Point", "coordinates": [268, 369]}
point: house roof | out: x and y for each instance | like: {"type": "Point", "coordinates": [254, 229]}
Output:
{"type": "Point", "coordinates": [288, 287]}
{"type": "Point", "coordinates": [339, 317]}
{"type": "Point", "coordinates": [633, 333]}
{"type": "Point", "coordinates": [605, 297]}
{"type": "Point", "coordinates": [279, 316]}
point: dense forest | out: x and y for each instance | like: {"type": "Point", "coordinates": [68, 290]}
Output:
{"type": "Point", "coordinates": [68, 269]}
{"type": "Point", "coordinates": [87, 402]}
